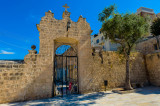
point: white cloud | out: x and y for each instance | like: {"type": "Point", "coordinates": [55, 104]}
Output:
{"type": "Point", "coordinates": [6, 52]}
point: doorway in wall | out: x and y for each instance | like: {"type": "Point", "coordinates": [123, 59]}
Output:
{"type": "Point", "coordinates": [65, 71]}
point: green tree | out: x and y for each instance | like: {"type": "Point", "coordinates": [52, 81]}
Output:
{"type": "Point", "coordinates": [124, 29]}
{"type": "Point", "coordinates": [155, 30]}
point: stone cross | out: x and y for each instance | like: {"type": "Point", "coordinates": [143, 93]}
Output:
{"type": "Point", "coordinates": [65, 6]}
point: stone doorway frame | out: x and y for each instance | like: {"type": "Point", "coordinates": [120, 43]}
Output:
{"type": "Point", "coordinates": [75, 48]}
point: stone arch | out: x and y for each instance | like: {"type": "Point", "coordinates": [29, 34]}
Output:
{"type": "Point", "coordinates": [66, 67]}
{"type": "Point", "coordinates": [54, 33]}
{"type": "Point", "coordinates": [66, 41]}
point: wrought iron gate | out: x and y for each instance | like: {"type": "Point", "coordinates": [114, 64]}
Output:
{"type": "Point", "coordinates": [65, 75]}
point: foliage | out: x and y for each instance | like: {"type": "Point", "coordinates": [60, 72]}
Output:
{"type": "Point", "coordinates": [124, 29]}
{"type": "Point", "coordinates": [155, 27]}
{"type": "Point", "coordinates": [106, 13]}
{"type": "Point", "coordinates": [155, 30]}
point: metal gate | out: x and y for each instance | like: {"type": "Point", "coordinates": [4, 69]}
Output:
{"type": "Point", "coordinates": [65, 75]}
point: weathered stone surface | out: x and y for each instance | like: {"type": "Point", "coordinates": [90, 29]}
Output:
{"type": "Point", "coordinates": [148, 46]}
{"type": "Point", "coordinates": [153, 67]}
{"type": "Point", "coordinates": [34, 78]}
{"type": "Point", "coordinates": [112, 70]}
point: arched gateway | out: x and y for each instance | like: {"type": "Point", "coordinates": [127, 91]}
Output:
{"type": "Point", "coordinates": [66, 70]}
{"type": "Point", "coordinates": [77, 70]}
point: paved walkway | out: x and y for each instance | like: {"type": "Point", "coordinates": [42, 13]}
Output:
{"type": "Point", "coordinates": [148, 96]}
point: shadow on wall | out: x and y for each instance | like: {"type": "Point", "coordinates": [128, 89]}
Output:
{"type": "Point", "coordinates": [66, 100]}
{"type": "Point", "coordinates": [36, 81]}
{"type": "Point", "coordinates": [113, 69]}
{"type": "Point", "coordinates": [138, 70]}
{"type": "Point", "coordinates": [153, 67]}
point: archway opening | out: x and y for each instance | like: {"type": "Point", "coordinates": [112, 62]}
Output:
{"type": "Point", "coordinates": [62, 49]}
{"type": "Point", "coordinates": [65, 71]}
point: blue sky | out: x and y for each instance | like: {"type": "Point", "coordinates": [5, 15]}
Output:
{"type": "Point", "coordinates": [18, 19]}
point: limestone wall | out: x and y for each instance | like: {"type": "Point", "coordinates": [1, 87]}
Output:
{"type": "Point", "coordinates": [28, 81]}
{"type": "Point", "coordinates": [54, 33]}
{"type": "Point", "coordinates": [147, 46]}
{"type": "Point", "coordinates": [34, 78]}
{"type": "Point", "coordinates": [113, 70]}
{"type": "Point", "coordinates": [11, 80]}
{"type": "Point", "coordinates": [153, 67]}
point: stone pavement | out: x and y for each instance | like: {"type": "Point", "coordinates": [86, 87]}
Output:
{"type": "Point", "coordinates": [148, 96]}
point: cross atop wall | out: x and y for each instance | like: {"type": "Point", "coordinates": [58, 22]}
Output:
{"type": "Point", "coordinates": [65, 6]}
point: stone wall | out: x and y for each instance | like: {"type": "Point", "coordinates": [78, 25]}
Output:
{"type": "Point", "coordinates": [37, 80]}
{"type": "Point", "coordinates": [153, 67]}
{"type": "Point", "coordinates": [34, 79]}
{"type": "Point", "coordinates": [54, 33]}
{"type": "Point", "coordinates": [147, 46]}
{"type": "Point", "coordinates": [11, 81]}
{"type": "Point", "coordinates": [30, 81]}
{"type": "Point", "coordinates": [113, 70]}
